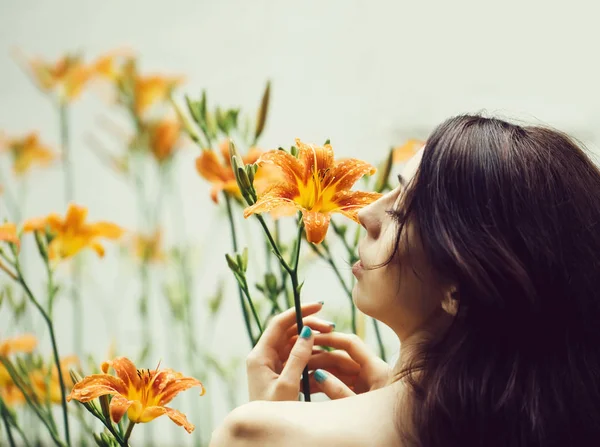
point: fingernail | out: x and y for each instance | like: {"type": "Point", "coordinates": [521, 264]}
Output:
{"type": "Point", "coordinates": [305, 332]}
{"type": "Point", "coordinates": [331, 323]}
{"type": "Point", "coordinates": [320, 375]}
{"type": "Point", "coordinates": [321, 302]}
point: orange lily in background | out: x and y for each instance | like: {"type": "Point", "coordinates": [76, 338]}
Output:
{"type": "Point", "coordinates": [24, 343]}
{"type": "Point", "coordinates": [220, 173]}
{"type": "Point", "coordinates": [316, 185]}
{"type": "Point", "coordinates": [8, 233]}
{"type": "Point", "coordinates": [149, 247]}
{"type": "Point", "coordinates": [45, 381]}
{"type": "Point", "coordinates": [407, 150]}
{"type": "Point", "coordinates": [164, 137]}
{"type": "Point", "coordinates": [67, 76]}
{"type": "Point", "coordinates": [27, 151]}
{"type": "Point", "coordinates": [149, 90]}
{"type": "Point", "coordinates": [142, 394]}
{"type": "Point", "coordinates": [72, 234]}
{"type": "Point", "coordinates": [9, 392]}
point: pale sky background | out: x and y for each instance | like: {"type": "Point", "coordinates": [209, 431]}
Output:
{"type": "Point", "coordinates": [366, 74]}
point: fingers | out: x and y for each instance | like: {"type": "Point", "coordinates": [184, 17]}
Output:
{"type": "Point", "coordinates": [298, 359]}
{"type": "Point", "coordinates": [275, 332]}
{"type": "Point", "coordinates": [331, 385]}
{"type": "Point", "coordinates": [339, 360]}
{"type": "Point", "coordinates": [316, 324]}
{"type": "Point", "coordinates": [352, 344]}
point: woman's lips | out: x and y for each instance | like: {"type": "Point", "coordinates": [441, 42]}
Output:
{"type": "Point", "coordinates": [357, 268]}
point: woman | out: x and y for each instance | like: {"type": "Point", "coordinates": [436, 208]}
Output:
{"type": "Point", "coordinates": [485, 261]}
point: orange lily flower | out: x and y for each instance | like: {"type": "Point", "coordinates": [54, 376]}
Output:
{"type": "Point", "coordinates": [8, 233]}
{"type": "Point", "coordinates": [407, 150]}
{"type": "Point", "coordinates": [67, 76]}
{"type": "Point", "coordinates": [142, 394]}
{"type": "Point", "coordinates": [148, 247]}
{"type": "Point", "coordinates": [24, 343]}
{"type": "Point", "coordinates": [316, 185]}
{"type": "Point", "coordinates": [164, 136]}
{"type": "Point", "coordinates": [149, 90]}
{"type": "Point", "coordinates": [49, 390]}
{"type": "Point", "coordinates": [220, 173]}
{"type": "Point", "coordinates": [9, 392]}
{"type": "Point", "coordinates": [72, 234]}
{"type": "Point", "coordinates": [27, 151]}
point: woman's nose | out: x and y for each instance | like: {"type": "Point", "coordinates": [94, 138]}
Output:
{"type": "Point", "coordinates": [368, 219]}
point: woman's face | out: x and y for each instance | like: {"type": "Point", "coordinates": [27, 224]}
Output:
{"type": "Point", "coordinates": [404, 293]}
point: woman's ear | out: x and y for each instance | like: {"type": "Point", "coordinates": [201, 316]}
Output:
{"type": "Point", "coordinates": [450, 300]}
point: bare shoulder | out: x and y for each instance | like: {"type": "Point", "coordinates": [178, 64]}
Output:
{"type": "Point", "coordinates": [359, 421]}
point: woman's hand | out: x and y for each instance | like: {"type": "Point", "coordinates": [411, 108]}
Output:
{"type": "Point", "coordinates": [351, 369]}
{"type": "Point", "coordinates": [276, 363]}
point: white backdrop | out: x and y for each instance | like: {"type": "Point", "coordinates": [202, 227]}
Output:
{"type": "Point", "coordinates": [366, 74]}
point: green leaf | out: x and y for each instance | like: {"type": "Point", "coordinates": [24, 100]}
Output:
{"type": "Point", "coordinates": [263, 111]}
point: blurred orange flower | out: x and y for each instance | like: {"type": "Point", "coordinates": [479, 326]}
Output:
{"type": "Point", "coordinates": [24, 343]}
{"type": "Point", "coordinates": [149, 90]}
{"type": "Point", "coordinates": [142, 394]}
{"type": "Point", "coordinates": [66, 77]}
{"type": "Point", "coordinates": [164, 137]}
{"type": "Point", "coordinates": [72, 234]}
{"type": "Point", "coordinates": [26, 151]}
{"type": "Point", "coordinates": [45, 381]}
{"type": "Point", "coordinates": [8, 233]}
{"type": "Point", "coordinates": [220, 173]}
{"type": "Point", "coordinates": [9, 392]}
{"type": "Point", "coordinates": [148, 248]}
{"type": "Point", "coordinates": [316, 185]}
{"type": "Point", "coordinates": [407, 150]}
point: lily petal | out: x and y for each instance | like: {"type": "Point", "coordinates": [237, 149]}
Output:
{"type": "Point", "coordinates": [98, 248]}
{"type": "Point", "coordinates": [316, 225]}
{"type": "Point", "coordinates": [278, 196]}
{"type": "Point", "coordinates": [24, 343]}
{"type": "Point", "coordinates": [76, 216]}
{"type": "Point", "coordinates": [345, 173]}
{"type": "Point", "coordinates": [290, 166]}
{"type": "Point", "coordinates": [125, 370]}
{"type": "Point", "coordinates": [95, 386]}
{"type": "Point", "coordinates": [107, 230]}
{"type": "Point", "coordinates": [176, 385]}
{"type": "Point", "coordinates": [8, 233]}
{"type": "Point", "coordinates": [35, 224]}
{"type": "Point", "coordinates": [316, 159]}
{"type": "Point", "coordinates": [210, 167]}
{"type": "Point", "coordinates": [151, 413]}
{"type": "Point", "coordinates": [119, 405]}
{"type": "Point", "coordinates": [351, 202]}
{"type": "Point", "coordinates": [407, 150]}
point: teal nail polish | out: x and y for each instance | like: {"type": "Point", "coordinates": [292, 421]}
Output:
{"type": "Point", "coordinates": [331, 323]}
{"type": "Point", "coordinates": [305, 332]}
{"type": "Point", "coordinates": [321, 302]}
{"type": "Point", "coordinates": [320, 375]}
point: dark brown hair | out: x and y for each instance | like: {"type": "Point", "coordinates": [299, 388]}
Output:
{"type": "Point", "coordinates": [512, 215]}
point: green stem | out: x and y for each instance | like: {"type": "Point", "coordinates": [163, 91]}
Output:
{"type": "Point", "coordinates": [6, 416]}
{"type": "Point", "coordinates": [69, 182]}
{"type": "Point", "coordinates": [50, 325]}
{"type": "Point", "coordinates": [33, 405]}
{"type": "Point", "coordinates": [128, 433]}
{"type": "Point", "coordinates": [329, 259]}
{"type": "Point", "coordinates": [293, 273]}
{"type": "Point", "coordinates": [235, 250]}
{"type": "Point", "coordinates": [379, 341]}
{"type": "Point", "coordinates": [9, 434]}
{"type": "Point", "coordinates": [251, 304]}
